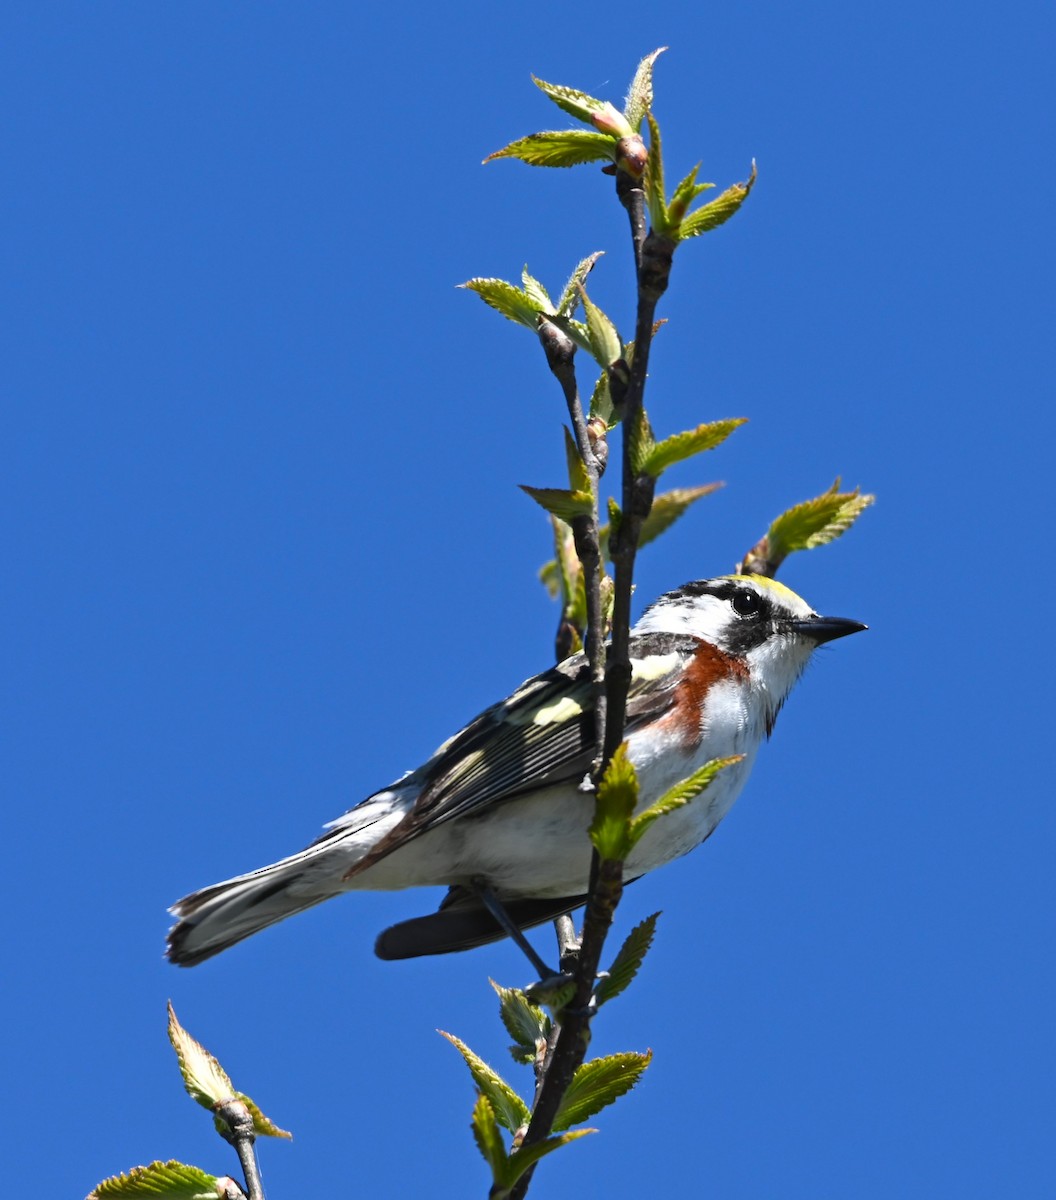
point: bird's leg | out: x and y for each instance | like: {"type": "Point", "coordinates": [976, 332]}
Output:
{"type": "Point", "coordinates": [486, 894]}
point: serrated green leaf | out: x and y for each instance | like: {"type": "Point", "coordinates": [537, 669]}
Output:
{"type": "Point", "coordinates": [616, 798]}
{"type": "Point", "coordinates": [681, 446]}
{"type": "Point", "coordinates": [654, 180]}
{"type": "Point", "coordinates": [488, 1138]}
{"type": "Point", "coordinates": [719, 211]}
{"type": "Point", "coordinates": [601, 400]}
{"type": "Point", "coordinates": [640, 93]}
{"type": "Point", "coordinates": [643, 443]}
{"type": "Point", "coordinates": [558, 148]}
{"type": "Point", "coordinates": [578, 477]}
{"type": "Point", "coordinates": [668, 507]}
{"type": "Point", "coordinates": [815, 522]}
{"type": "Point", "coordinates": [569, 302]}
{"type": "Point", "coordinates": [599, 1083]}
{"type": "Point", "coordinates": [263, 1126]}
{"type": "Point", "coordinates": [509, 1109]}
{"type": "Point", "coordinates": [527, 1156]}
{"type": "Point", "coordinates": [206, 1081]}
{"type": "Point", "coordinates": [576, 605]}
{"type": "Point", "coordinates": [526, 1023]}
{"type": "Point", "coordinates": [537, 294]}
{"type": "Point", "coordinates": [514, 304]}
{"type": "Point", "coordinates": [627, 963]}
{"type": "Point", "coordinates": [679, 796]}
{"type": "Point", "coordinates": [560, 502]}
{"type": "Point", "coordinates": [605, 342]}
{"type": "Point", "coordinates": [172, 1179]}
{"type": "Point", "coordinates": [684, 195]}
{"type": "Point", "coordinates": [568, 560]}
{"type": "Point", "coordinates": [576, 103]}
{"type": "Point", "coordinates": [550, 576]}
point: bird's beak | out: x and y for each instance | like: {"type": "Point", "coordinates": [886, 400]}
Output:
{"type": "Point", "coordinates": [825, 629]}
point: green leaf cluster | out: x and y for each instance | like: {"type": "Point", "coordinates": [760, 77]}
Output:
{"type": "Point", "coordinates": [613, 134]}
{"type": "Point", "coordinates": [651, 457]}
{"type": "Point", "coordinates": [208, 1084]}
{"type": "Point", "coordinates": [508, 1166]}
{"type": "Point", "coordinates": [816, 522]}
{"type": "Point", "coordinates": [615, 830]}
{"type": "Point", "coordinates": [672, 219]}
{"type": "Point", "coordinates": [527, 304]}
{"type": "Point", "coordinates": [806, 526]}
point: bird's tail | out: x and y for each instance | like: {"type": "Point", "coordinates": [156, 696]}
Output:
{"type": "Point", "coordinates": [216, 917]}
{"type": "Point", "coordinates": [219, 916]}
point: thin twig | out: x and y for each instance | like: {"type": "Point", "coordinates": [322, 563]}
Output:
{"type": "Point", "coordinates": [236, 1127]}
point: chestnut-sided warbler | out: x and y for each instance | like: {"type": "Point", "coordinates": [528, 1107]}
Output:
{"type": "Point", "coordinates": [506, 802]}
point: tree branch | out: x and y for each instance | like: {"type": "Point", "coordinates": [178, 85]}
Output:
{"type": "Point", "coordinates": [560, 1063]}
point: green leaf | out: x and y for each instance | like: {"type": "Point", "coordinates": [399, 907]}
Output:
{"type": "Point", "coordinates": [570, 295]}
{"type": "Point", "coordinates": [560, 502]}
{"type": "Point", "coordinates": [577, 104]}
{"type": "Point", "coordinates": [681, 446]}
{"type": "Point", "coordinates": [558, 148]}
{"type": "Point", "coordinates": [511, 301]}
{"type": "Point", "coordinates": [627, 963]}
{"type": "Point", "coordinates": [719, 211]}
{"type": "Point", "coordinates": [578, 478]}
{"type": "Point", "coordinates": [679, 796]}
{"type": "Point", "coordinates": [565, 549]}
{"type": "Point", "coordinates": [488, 1138]}
{"type": "Point", "coordinates": [206, 1081]}
{"type": "Point", "coordinates": [640, 93]}
{"type": "Point", "coordinates": [605, 342]}
{"type": "Point", "coordinates": [263, 1126]}
{"type": "Point", "coordinates": [686, 192]}
{"type": "Point", "coordinates": [668, 507]}
{"type": "Point", "coordinates": [537, 294]}
{"type": "Point", "coordinates": [616, 798]}
{"type": "Point", "coordinates": [172, 1179]}
{"type": "Point", "coordinates": [576, 604]}
{"type": "Point", "coordinates": [816, 522]}
{"type": "Point", "coordinates": [666, 510]}
{"type": "Point", "coordinates": [509, 1109]}
{"type": "Point", "coordinates": [597, 1084]}
{"type": "Point", "coordinates": [654, 181]}
{"type": "Point", "coordinates": [525, 1022]}
{"type": "Point", "coordinates": [527, 1156]}
{"type": "Point", "coordinates": [601, 400]}
{"type": "Point", "coordinates": [643, 444]}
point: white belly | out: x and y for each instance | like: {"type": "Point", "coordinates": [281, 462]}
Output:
{"type": "Point", "coordinates": [537, 845]}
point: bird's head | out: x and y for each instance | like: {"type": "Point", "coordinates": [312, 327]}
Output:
{"type": "Point", "coordinates": [753, 619]}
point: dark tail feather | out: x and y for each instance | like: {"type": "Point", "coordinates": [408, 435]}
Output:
{"type": "Point", "coordinates": [219, 916]}
{"type": "Point", "coordinates": [463, 923]}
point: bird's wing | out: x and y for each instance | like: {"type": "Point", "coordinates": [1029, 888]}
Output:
{"type": "Point", "coordinates": [543, 734]}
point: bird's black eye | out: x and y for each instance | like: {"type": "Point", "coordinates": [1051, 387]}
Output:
{"type": "Point", "coordinates": [746, 603]}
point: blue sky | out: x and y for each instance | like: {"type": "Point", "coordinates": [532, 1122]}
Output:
{"type": "Point", "coordinates": [264, 551]}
